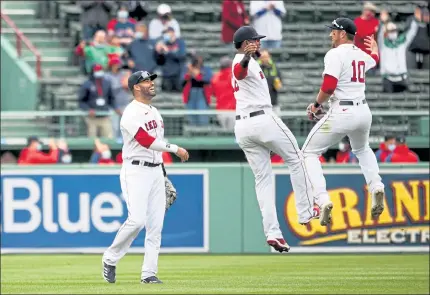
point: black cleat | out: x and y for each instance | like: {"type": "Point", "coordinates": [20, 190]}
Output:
{"type": "Point", "coordinates": [151, 280]}
{"type": "Point", "coordinates": [109, 273]}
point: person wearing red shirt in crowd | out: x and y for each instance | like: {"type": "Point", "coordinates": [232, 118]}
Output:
{"type": "Point", "coordinates": [32, 154]}
{"type": "Point", "coordinates": [386, 148]}
{"type": "Point", "coordinates": [402, 154]}
{"type": "Point", "coordinates": [224, 95]}
{"type": "Point", "coordinates": [367, 25]}
{"type": "Point", "coordinates": [345, 154]}
{"type": "Point", "coordinates": [122, 26]}
{"type": "Point", "coordinates": [233, 16]}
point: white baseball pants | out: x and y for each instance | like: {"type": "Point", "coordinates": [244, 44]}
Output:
{"type": "Point", "coordinates": [143, 189]}
{"type": "Point", "coordinates": [257, 136]}
{"type": "Point", "coordinates": [341, 120]}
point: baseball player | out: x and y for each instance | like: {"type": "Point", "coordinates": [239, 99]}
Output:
{"type": "Point", "coordinates": [142, 178]}
{"type": "Point", "coordinates": [259, 131]}
{"type": "Point", "coordinates": [345, 66]}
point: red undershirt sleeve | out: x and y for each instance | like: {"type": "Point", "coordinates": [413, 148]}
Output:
{"type": "Point", "coordinates": [329, 84]}
{"type": "Point", "coordinates": [240, 72]}
{"type": "Point", "coordinates": [150, 142]}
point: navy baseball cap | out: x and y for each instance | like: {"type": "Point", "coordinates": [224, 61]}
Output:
{"type": "Point", "coordinates": [138, 77]}
{"type": "Point", "coordinates": [343, 24]}
{"type": "Point", "coordinates": [246, 33]}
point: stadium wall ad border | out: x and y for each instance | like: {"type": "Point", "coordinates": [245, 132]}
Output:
{"type": "Point", "coordinates": [209, 185]}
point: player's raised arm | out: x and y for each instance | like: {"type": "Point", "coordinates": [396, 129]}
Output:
{"type": "Point", "coordinates": [372, 46]}
{"type": "Point", "coordinates": [246, 41]}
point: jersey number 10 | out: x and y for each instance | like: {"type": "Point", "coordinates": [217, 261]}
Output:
{"type": "Point", "coordinates": [358, 67]}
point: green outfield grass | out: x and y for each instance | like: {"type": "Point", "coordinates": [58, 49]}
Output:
{"type": "Point", "coordinates": [198, 274]}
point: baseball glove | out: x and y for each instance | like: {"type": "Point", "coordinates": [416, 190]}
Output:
{"type": "Point", "coordinates": [170, 193]}
{"type": "Point", "coordinates": [317, 115]}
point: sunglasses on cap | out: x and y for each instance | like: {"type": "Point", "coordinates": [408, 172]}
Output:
{"type": "Point", "coordinates": [145, 76]}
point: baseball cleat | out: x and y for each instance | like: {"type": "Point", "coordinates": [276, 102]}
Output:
{"type": "Point", "coordinates": [279, 245]}
{"type": "Point", "coordinates": [315, 215]}
{"type": "Point", "coordinates": [151, 280]}
{"type": "Point", "coordinates": [377, 203]}
{"type": "Point", "coordinates": [325, 216]}
{"type": "Point", "coordinates": [109, 273]}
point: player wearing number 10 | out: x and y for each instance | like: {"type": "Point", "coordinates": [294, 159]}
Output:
{"type": "Point", "coordinates": [345, 66]}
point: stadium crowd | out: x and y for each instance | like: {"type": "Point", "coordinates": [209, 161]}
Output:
{"type": "Point", "coordinates": [112, 48]}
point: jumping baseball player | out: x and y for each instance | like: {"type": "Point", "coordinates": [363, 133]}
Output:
{"type": "Point", "coordinates": [142, 178]}
{"type": "Point", "coordinates": [259, 131]}
{"type": "Point", "coordinates": [345, 66]}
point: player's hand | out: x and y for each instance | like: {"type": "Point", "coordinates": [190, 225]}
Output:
{"type": "Point", "coordinates": [315, 113]}
{"type": "Point", "coordinates": [91, 113]}
{"type": "Point", "coordinates": [250, 49]}
{"type": "Point", "coordinates": [371, 44]}
{"type": "Point", "coordinates": [182, 154]}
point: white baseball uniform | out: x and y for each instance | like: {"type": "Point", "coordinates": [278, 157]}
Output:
{"type": "Point", "coordinates": [258, 131]}
{"type": "Point", "coordinates": [349, 114]}
{"type": "Point", "coordinates": [142, 184]}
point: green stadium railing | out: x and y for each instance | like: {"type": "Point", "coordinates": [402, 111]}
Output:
{"type": "Point", "coordinates": [16, 126]}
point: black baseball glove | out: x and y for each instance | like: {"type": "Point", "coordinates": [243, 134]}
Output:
{"type": "Point", "coordinates": [170, 193]}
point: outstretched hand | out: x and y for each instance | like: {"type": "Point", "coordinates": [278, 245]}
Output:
{"type": "Point", "coordinates": [371, 44]}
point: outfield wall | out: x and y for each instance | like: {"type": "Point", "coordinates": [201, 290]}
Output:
{"type": "Point", "coordinates": [79, 208]}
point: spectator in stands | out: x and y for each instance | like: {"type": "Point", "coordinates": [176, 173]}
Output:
{"type": "Point", "coordinates": [99, 42]}
{"type": "Point", "coordinates": [267, 20]}
{"type": "Point", "coordinates": [392, 48]}
{"type": "Point", "coordinates": [116, 51]}
{"type": "Point", "coordinates": [420, 45]}
{"type": "Point", "coordinates": [233, 16]}
{"type": "Point", "coordinates": [273, 77]}
{"type": "Point", "coordinates": [102, 154]}
{"type": "Point", "coordinates": [402, 153]}
{"type": "Point", "coordinates": [64, 154]}
{"type": "Point", "coordinates": [122, 26]}
{"type": "Point", "coordinates": [8, 158]}
{"type": "Point", "coordinates": [141, 52]}
{"type": "Point", "coordinates": [137, 9]}
{"type": "Point", "coordinates": [171, 53]}
{"type": "Point", "coordinates": [345, 154]}
{"type": "Point", "coordinates": [386, 148]}
{"type": "Point", "coordinates": [224, 94]}
{"type": "Point", "coordinates": [99, 51]}
{"type": "Point", "coordinates": [164, 20]}
{"type": "Point", "coordinates": [367, 25]}
{"type": "Point", "coordinates": [121, 94]}
{"type": "Point", "coordinates": [197, 90]}
{"type": "Point", "coordinates": [95, 95]}
{"type": "Point", "coordinates": [95, 16]}
{"type": "Point", "coordinates": [32, 154]}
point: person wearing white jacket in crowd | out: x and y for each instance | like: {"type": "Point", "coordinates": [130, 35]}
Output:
{"type": "Point", "coordinates": [267, 21]}
{"type": "Point", "coordinates": [393, 47]}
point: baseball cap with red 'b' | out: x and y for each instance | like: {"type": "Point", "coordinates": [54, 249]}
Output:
{"type": "Point", "coordinates": [343, 24]}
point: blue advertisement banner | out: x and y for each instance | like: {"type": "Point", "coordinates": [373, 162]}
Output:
{"type": "Point", "coordinates": [404, 224]}
{"type": "Point", "coordinates": [82, 210]}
